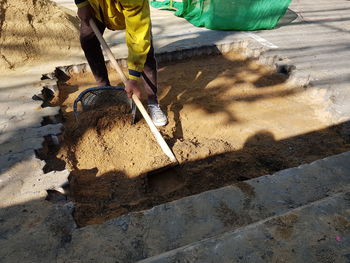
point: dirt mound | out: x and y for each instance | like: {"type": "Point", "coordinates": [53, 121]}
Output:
{"type": "Point", "coordinates": [105, 138]}
{"type": "Point", "coordinates": [34, 31]}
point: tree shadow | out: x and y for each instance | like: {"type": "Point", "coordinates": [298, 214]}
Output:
{"type": "Point", "coordinates": [188, 83]}
{"type": "Point", "coordinates": [99, 198]}
{"type": "Point", "coordinates": [112, 194]}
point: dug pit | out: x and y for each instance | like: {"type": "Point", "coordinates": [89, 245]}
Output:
{"type": "Point", "coordinates": [230, 119]}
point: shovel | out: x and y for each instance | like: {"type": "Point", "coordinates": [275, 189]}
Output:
{"type": "Point", "coordinates": [135, 100]}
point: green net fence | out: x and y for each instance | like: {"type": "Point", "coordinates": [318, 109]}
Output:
{"type": "Point", "coordinates": [229, 14]}
{"type": "Point", "coordinates": [167, 5]}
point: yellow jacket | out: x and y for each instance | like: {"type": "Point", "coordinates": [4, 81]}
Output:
{"type": "Point", "coordinates": [132, 15]}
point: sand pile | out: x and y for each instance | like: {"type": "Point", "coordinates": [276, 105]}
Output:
{"type": "Point", "coordinates": [106, 139]}
{"type": "Point", "coordinates": [34, 31]}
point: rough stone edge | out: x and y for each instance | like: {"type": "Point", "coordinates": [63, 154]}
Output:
{"type": "Point", "coordinates": [248, 48]}
{"type": "Point", "coordinates": [41, 182]}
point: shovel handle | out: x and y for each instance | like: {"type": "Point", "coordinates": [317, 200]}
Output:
{"type": "Point", "coordinates": [159, 138]}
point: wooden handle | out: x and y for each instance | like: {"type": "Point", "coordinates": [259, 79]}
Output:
{"type": "Point", "coordinates": [107, 50]}
{"type": "Point", "coordinates": [162, 143]}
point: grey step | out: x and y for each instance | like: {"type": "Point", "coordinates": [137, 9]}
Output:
{"type": "Point", "coordinates": [166, 227]}
{"type": "Point", "coordinates": [27, 133]}
{"type": "Point", "coordinates": [25, 118]}
{"type": "Point", "coordinates": [26, 181]}
{"type": "Point", "coordinates": [34, 231]}
{"type": "Point", "coordinates": [317, 232]}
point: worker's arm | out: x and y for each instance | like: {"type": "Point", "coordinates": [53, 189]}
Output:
{"type": "Point", "coordinates": [138, 34]}
{"type": "Point", "coordinates": [85, 12]}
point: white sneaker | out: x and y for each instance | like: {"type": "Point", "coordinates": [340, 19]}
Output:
{"type": "Point", "coordinates": [157, 115]}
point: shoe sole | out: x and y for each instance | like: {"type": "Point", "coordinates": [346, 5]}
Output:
{"type": "Point", "coordinates": [160, 124]}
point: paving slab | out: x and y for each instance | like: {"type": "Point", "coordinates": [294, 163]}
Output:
{"type": "Point", "coordinates": [317, 232]}
{"type": "Point", "coordinates": [32, 132]}
{"type": "Point", "coordinates": [34, 231]}
{"type": "Point", "coordinates": [25, 181]}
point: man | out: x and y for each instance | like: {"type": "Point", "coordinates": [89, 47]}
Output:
{"type": "Point", "coordinates": [134, 16]}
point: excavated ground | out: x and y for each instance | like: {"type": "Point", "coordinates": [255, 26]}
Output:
{"type": "Point", "coordinates": [230, 119]}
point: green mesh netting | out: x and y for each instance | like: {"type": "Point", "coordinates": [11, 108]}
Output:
{"type": "Point", "coordinates": [230, 14]}
{"type": "Point", "coordinates": [167, 3]}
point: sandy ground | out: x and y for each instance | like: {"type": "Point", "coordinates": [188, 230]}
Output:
{"type": "Point", "coordinates": [35, 31]}
{"type": "Point", "coordinates": [230, 119]}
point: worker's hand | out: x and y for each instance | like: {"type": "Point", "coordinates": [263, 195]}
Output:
{"type": "Point", "coordinates": [132, 87]}
{"type": "Point", "coordinates": [85, 14]}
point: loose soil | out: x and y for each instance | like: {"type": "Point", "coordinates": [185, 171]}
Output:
{"type": "Point", "coordinates": [230, 119]}
{"type": "Point", "coordinates": [33, 31]}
